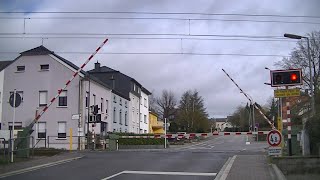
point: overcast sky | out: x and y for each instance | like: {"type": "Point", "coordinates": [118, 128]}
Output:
{"type": "Point", "coordinates": [178, 72]}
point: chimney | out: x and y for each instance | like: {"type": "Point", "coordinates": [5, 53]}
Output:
{"type": "Point", "coordinates": [97, 66]}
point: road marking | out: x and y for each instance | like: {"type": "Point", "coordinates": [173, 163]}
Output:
{"type": "Point", "coordinates": [161, 173]}
{"type": "Point", "coordinates": [21, 171]}
{"type": "Point", "coordinates": [171, 173]}
{"type": "Point", "coordinates": [228, 168]}
{"type": "Point", "coordinates": [109, 177]}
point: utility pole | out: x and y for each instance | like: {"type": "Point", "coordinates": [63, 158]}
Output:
{"type": "Point", "coordinates": [165, 133]}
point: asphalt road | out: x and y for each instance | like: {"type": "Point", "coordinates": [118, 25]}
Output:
{"type": "Point", "coordinates": [199, 161]}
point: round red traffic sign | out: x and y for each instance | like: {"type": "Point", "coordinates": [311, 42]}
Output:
{"type": "Point", "coordinates": [274, 138]}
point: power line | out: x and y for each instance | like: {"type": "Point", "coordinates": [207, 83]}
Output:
{"type": "Point", "coordinates": [165, 18]}
{"type": "Point", "coordinates": [146, 38]}
{"type": "Point", "coordinates": [170, 53]}
{"type": "Point", "coordinates": [160, 13]}
{"type": "Point", "coordinates": [146, 34]}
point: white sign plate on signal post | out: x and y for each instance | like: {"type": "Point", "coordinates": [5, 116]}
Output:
{"type": "Point", "coordinates": [275, 151]}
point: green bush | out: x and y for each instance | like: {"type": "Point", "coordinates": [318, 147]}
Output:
{"type": "Point", "coordinates": [140, 141]}
{"type": "Point", "coordinates": [131, 134]}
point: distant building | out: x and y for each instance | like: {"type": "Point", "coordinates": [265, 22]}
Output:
{"type": "Point", "coordinates": [155, 125]}
{"type": "Point", "coordinates": [222, 123]}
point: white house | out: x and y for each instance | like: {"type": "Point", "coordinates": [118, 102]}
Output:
{"type": "Point", "coordinates": [3, 65]}
{"type": "Point", "coordinates": [132, 90]}
{"type": "Point", "coordinates": [222, 123]}
{"type": "Point", "coordinates": [144, 111]}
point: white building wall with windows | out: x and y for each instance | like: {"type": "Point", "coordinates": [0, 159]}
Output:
{"type": "Point", "coordinates": [120, 114]}
{"type": "Point", "coordinates": [100, 95]}
{"type": "Point", "coordinates": [134, 107]}
{"type": "Point", "coordinates": [37, 84]}
{"type": "Point", "coordinates": [144, 113]}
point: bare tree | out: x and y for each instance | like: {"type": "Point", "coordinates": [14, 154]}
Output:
{"type": "Point", "coordinates": [166, 103]}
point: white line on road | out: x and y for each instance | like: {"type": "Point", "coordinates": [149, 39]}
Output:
{"type": "Point", "coordinates": [171, 173]}
{"type": "Point", "coordinates": [109, 177]}
{"type": "Point", "coordinates": [161, 173]}
{"type": "Point", "coordinates": [228, 168]}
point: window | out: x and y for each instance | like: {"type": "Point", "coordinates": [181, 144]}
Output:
{"type": "Point", "coordinates": [126, 119]}
{"type": "Point", "coordinates": [134, 87]}
{"type": "Point", "coordinates": [101, 106]}
{"type": "Point", "coordinates": [87, 99]}
{"type": "Point", "coordinates": [140, 117]}
{"type": "Point", "coordinates": [17, 125]}
{"type": "Point", "coordinates": [62, 126]}
{"type": "Point", "coordinates": [114, 115]}
{"type": "Point", "coordinates": [63, 99]}
{"type": "Point", "coordinates": [120, 102]}
{"type": "Point", "coordinates": [43, 96]}
{"type": "Point", "coordinates": [126, 103]}
{"type": "Point", "coordinates": [42, 130]}
{"type": "Point", "coordinates": [120, 130]}
{"type": "Point", "coordinates": [114, 99]}
{"type": "Point", "coordinates": [94, 99]}
{"type": "Point", "coordinates": [107, 105]}
{"type": "Point", "coordinates": [21, 68]}
{"type": "Point", "coordinates": [120, 117]}
{"type": "Point", "coordinates": [145, 102]}
{"type": "Point", "coordinates": [145, 119]}
{"type": "Point", "coordinates": [145, 131]}
{"type": "Point", "coordinates": [114, 130]}
{"type": "Point", "coordinates": [44, 67]}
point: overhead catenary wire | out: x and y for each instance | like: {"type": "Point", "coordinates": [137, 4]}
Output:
{"type": "Point", "coordinates": [161, 13]}
{"type": "Point", "coordinates": [163, 18]}
{"type": "Point", "coordinates": [146, 38]}
{"type": "Point", "coordinates": [146, 34]}
{"type": "Point", "coordinates": [163, 53]}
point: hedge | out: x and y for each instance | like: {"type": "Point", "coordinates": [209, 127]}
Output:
{"type": "Point", "coordinates": [131, 134]}
{"type": "Point", "coordinates": [140, 141]}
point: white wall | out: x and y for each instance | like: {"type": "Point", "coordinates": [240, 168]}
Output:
{"type": "Point", "coordinates": [1, 93]}
{"type": "Point", "coordinates": [134, 109]}
{"type": "Point", "coordinates": [144, 110]}
{"type": "Point", "coordinates": [33, 80]}
{"type": "Point", "coordinates": [119, 104]}
{"type": "Point", "coordinates": [101, 93]}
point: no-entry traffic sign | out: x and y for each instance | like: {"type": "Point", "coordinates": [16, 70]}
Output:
{"type": "Point", "coordinates": [274, 138]}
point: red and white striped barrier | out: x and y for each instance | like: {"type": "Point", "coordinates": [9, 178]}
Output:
{"type": "Point", "coordinates": [192, 135]}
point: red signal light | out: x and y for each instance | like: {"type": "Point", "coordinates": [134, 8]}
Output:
{"type": "Point", "coordinates": [293, 77]}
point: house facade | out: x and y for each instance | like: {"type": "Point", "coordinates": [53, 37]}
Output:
{"type": "Point", "coordinates": [3, 65]}
{"type": "Point", "coordinates": [37, 75]}
{"type": "Point", "coordinates": [222, 123]}
{"type": "Point", "coordinates": [155, 125]}
{"type": "Point", "coordinates": [144, 111]}
{"type": "Point", "coordinates": [131, 89]}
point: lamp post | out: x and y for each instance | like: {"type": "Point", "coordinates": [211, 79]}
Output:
{"type": "Point", "coordinates": [306, 146]}
{"type": "Point", "coordinates": [293, 36]}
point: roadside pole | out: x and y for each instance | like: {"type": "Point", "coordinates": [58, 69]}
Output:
{"type": "Point", "coordinates": [13, 119]}
{"type": "Point", "coordinates": [165, 133]}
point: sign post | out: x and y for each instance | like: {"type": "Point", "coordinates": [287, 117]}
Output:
{"type": "Point", "coordinates": [274, 140]}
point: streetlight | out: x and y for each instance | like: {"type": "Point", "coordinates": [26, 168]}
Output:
{"type": "Point", "coordinates": [294, 36]}
{"type": "Point", "coordinates": [306, 146]}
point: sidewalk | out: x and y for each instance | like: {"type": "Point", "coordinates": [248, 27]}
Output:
{"type": "Point", "coordinates": [40, 162]}
{"type": "Point", "coordinates": [250, 167]}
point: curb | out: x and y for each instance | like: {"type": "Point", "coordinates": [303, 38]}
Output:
{"type": "Point", "coordinates": [278, 172]}
{"type": "Point", "coordinates": [20, 171]}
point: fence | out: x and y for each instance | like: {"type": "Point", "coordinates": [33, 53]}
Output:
{"type": "Point", "coordinates": [19, 150]}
